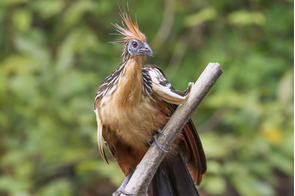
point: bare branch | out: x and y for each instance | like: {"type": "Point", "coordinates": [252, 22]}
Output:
{"type": "Point", "coordinates": [152, 159]}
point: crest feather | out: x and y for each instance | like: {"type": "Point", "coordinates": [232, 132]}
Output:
{"type": "Point", "coordinates": [131, 30]}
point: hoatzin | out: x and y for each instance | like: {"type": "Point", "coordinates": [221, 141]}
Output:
{"type": "Point", "coordinates": [132, 105]}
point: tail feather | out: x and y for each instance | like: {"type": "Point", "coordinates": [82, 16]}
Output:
{"type": "Point", "coordinates": [100, 138]}
{"type": "Point", "coordinates": [173, 178]}
{"type": "Point", "coordinates": [197, 159]}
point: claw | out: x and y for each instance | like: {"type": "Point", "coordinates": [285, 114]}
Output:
{"type": "Point", "coordinates": [149, 143]}
{"type": "Point", "coordinates": [158, 144]}
{"type": "Point", "coordinates": [160, 131]}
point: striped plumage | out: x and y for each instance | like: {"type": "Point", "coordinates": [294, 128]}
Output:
{"type": "Point", "coordinates": [133, 103]}
{"type": "Point", "coordinates": [110, 83]}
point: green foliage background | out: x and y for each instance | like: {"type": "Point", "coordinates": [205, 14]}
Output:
{"type": "Point", "coordinates": [54, 54]}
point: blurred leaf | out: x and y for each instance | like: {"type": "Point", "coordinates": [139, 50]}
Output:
{"type": "Point", "coordinates": [24, 87]}
{"type": "Point", "coordinates": [227, 99]}
{"type": "Point", "coordinates": [247, 185]}
{"type": "Point", "coordinates": [28, 46]}
{"type": "Point", "coordinates": [214, 148]}
{"type": "Point", "coordinates": [214, 167]}
{"type": "Point", "coordinates": [57, 187]}
{"type": "Point", "coordinates": [22, 19]}
{"type": "Point", "coordinates": [19, 64]}
{"type": "Point", "coordinates": [69, 84]}
{"type": "Point", "coordinates": [114, 173]}
{"type": "Point", "coordinates": [13, 186]}
{"type": "Point", "coordinates": [202, 16]}
{"type": "Point", "coordinates": [49, 8]}
{"type": "Point", "coordinates": [215, 185]}
{"type": "Point", "coordinates": [78, 41]}
{"type": "Point", "coordinates": [76, 11]}
{"type": "Point", "coordinates": [12, 158]}
{"type": "Point", "coordinates": [288, 142]}
{"type": "Point", "coordinates": [11, 2]}
{"type": "Point", "coordinates": [285, 89]}
{"type": "Point", "coordinates": [281, 162]}
{"type": "Point", "coordinates": [24, 170]}
{"type": "Point", "coordinates": [242, 18]}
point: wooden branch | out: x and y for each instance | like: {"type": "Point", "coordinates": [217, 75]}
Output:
{"type": "Point", "coordinates": [147, 168]}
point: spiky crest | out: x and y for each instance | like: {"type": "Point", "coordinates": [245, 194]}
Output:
{"type": "Point", "coordinates": [131, 31]}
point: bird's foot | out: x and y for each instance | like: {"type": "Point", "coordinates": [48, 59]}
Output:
{"type": "Point", "coordinates": [160, 131]}
{"type": "Point", "coordinates": [157, 142]}
{"type": "Point", "coordinates": [121, 189]}
{"type": "Point", "coordinates": [149, 142]}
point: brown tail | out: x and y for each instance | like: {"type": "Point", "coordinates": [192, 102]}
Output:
{"type": "Point", "coordinates": [196, 160]}
{"type": "Point", "coordinates": [192, 149]}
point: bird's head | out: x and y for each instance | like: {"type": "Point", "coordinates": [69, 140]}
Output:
{"type": "Point", "coordinates": [136, 47]}
{"type": "Point", "coordinates": [134, 40]}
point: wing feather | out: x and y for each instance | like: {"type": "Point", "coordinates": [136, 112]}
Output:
{"type": "Point", "coordinates": [164, 90]}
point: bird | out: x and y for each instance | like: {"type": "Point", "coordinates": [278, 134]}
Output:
{"type": "Point", "coordinates": [132, 105]}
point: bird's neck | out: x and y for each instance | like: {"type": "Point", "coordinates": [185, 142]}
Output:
{"type": "Point", "coordinates": [130, 83]}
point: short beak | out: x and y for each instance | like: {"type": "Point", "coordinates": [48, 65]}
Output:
{"type": "Point", "coordinates": [146, 50]}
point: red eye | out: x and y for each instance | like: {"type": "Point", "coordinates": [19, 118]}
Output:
{"type": "Point", "coordinates": [134, 44]}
